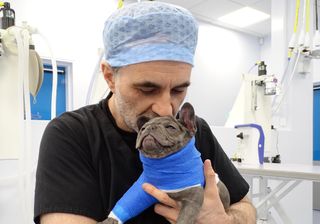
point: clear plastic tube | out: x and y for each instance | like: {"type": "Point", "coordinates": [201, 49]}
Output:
{"type": "Point", "coordinates": [303, 27]}
{"type": "Point", "coordinates": [284, 77]}
{"type": "Point", "coordinates": [307, 5]}
{"type": "Point", "coordinates": [54, 78]}
{"type": "Point", "coordinates": [27, 134]}
{"type": "Point", "coordinates": [296, 21]}
{"type": "Point", "coordinates": [286, 87]}
{"type": "Point", "coordinates": [22, 193]}
{"type": "Point", "coordinates": [94, 78]}
{"type": "Point", "coordinates": [316, 12]}
{"type": "Point", "coordinates": [301, 39]}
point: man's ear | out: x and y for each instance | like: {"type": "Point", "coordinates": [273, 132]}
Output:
{"type": "Point", "coordinates": [187, 117]}
{"type": "Point", "coordinates": [108, 75]}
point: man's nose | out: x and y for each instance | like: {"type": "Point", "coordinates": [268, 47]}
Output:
{"type": "Point", "coordinates": [163, 106]}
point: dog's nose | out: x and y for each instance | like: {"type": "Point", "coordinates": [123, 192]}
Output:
{"type": "Point", "coordinates": [141, 121]}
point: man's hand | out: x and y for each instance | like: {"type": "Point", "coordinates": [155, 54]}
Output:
{"type": "Point", "coordinates": [212, 210]}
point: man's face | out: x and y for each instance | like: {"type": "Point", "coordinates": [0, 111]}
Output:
{"type": "Point", "coordinates": [148, 89]}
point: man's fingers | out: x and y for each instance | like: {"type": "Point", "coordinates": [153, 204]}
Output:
{"type": "Point", "coordinates": [168, 208]}
{"type": "Point", "coordinates": [211, 189]}
{"type": "Point", "coordinates": [160, 195]}
{"type": "Point", "coordinates": [171, 214]}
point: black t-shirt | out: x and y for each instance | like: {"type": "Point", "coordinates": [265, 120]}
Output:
{"type": "Point", "coordinates": [86, 163]}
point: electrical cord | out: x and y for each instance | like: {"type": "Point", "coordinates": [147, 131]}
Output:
{"type": "Point", "coordinates": [316, 8]}
{"type": "Point", "coordinates": [307, 16]}
{"type": "Point", "coordinates": [288, 85]}
{"type": "Point", "coordinates": [253, 66]}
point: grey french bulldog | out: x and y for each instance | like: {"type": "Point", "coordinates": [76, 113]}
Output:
{"type": "Point", "coordinates": [166, 146]}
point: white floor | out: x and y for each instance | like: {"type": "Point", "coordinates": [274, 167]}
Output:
{"type": "Point", "coordinates": [316, 216]}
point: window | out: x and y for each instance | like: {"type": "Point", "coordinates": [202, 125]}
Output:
{"type": "Point", "coordinates": [41, 104]}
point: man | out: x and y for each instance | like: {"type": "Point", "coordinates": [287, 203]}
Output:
{"type": "Point", "coordinates": [87, 157]}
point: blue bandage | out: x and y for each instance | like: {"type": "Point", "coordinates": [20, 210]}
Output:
{"type": "Point", "coordinates": [176, 171]}
{"type": "Point", "coordinates": [179, 170]}
{"type": "Point", "coordinates": [133, 202]}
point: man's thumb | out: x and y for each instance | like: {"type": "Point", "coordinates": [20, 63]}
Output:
{"type": "Point", "coordinates": [210, 176]}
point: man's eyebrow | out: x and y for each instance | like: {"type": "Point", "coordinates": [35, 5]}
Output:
{"type": "Point", "coordinates": [183, 85]}
{"type": "Point", "coordinates": [155, 85]}
{"type": "Point", "coordinates": [146, 84]}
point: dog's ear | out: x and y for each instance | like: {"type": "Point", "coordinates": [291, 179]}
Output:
{"type": "Point", "coordinates": [141, 121]}
{"type": "Point", "coordinates": [187, 117]}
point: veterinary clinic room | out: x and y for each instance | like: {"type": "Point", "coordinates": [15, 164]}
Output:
{"type": "Point", "coordinates": [160, 112]}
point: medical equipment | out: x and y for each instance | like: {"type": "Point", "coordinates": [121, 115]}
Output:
{"type": "Point", "coordinates": [292, 43]}
{"type": "Point", "coordinates": [15, 100]}
{"type": "Point", "coordinates": [316, 40]}
{"type": "Point", "coordinates": [303, 51]}
{"type": "Point", "coordinates": [304, 38]}
{"type": "Point", "coordinates": [251, 145]}
{"type": "Point", "coordinates": [21, 74]}
{"type": "Point", "coordinates": [21, 66]}
{"type": "Point", "coordinates": [8, 16]}
{"type": "Point", "coordinates": [251, 115]}
{"type": "Point", "coordinates": [254, 104]}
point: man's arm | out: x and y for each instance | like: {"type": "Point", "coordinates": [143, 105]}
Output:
{"type": "Point", "coordinates": [212, 211]}
{"type": "Point", "coordinates": [65, 218]}
{"type": "Point", "coordinates": [242, 212]}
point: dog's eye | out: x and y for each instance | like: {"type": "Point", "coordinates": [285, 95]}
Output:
{"type": "Point", "coordinates": [170, 127]}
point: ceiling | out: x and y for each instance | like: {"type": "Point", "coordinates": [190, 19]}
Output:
{"type": "Point", "coordinates": [210, 10]}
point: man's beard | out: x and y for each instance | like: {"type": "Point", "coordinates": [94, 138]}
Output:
{"type": "Point", "coordinates": [127, 111]}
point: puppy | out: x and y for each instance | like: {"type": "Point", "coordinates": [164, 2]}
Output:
{"type": "Point", "coordinates": [172, 163]}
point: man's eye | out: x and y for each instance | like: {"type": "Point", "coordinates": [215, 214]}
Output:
{"type": "Point", "coordinates": [178, 90]}
{"type": "Point", "coordinates": [147, 89]}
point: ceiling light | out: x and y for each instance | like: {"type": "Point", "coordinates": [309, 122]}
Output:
{"type": "Point", "coordinates": [244, 17]}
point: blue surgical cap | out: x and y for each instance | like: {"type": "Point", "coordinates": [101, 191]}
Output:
{"type": "Point", "coordinates": [150, 31]}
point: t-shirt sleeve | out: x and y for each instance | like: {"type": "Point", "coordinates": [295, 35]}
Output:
{"type": "Point", "coordinates": [66, 180]}
{"type": "Point", "coordinates": [210, 148]}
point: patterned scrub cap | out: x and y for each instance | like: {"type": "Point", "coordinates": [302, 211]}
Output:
{"type": "Point", "coordinates": [150, 31]}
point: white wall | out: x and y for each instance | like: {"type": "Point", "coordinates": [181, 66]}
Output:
{"type": "Point", "coordinates": [265, 52]}
{"type": "Point", "coordinates": [222, 56]}
{"type": "Point", "coordinates": [316, 74]}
